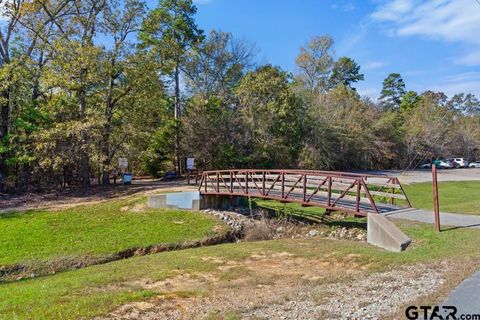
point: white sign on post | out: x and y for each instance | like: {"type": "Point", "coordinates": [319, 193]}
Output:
{"type": "Point", "coordinates": [190, 163]}
{"type": "Point", "coordinates": [123, 163]}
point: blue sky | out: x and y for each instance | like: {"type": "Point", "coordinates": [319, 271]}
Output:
{"type": "Point", "coordinates": [433, 44]}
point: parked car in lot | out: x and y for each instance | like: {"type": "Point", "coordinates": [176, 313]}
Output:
{"type": "Point", "coordinates": [426, 166]}
{"type": "Point", "coordinates": [458, 162]}
{"type": "Point", "coordinates": [443, 164]}
{"type": "Point", "coordinates": [474, 164]}
{"type": "Point", "coordinates": [449, 163]}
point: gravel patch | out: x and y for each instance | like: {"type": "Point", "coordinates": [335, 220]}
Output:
{"type": "Point", "coordinates": [241, 221]}
{"type": "Point", "coordinates": [359, 296]}
{"type": "Point", "coordinates": [371, 297]}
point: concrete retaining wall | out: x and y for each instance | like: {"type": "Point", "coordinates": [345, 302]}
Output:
{"type": "Point", "coordinates": [383, 233]}
{"type": "Point", "coordinates": [192, 201]}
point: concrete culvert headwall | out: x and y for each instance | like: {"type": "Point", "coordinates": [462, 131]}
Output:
{"type": "Point", "coordinates": [383, 233]}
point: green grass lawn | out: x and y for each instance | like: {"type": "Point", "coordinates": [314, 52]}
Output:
{"type": "Point", "coordinates": [454, 196]}
{"type": "Point", "coordinates": [97, 289]}
{"type": "Point", "coordinates": [109, 227]}
{"type": "Point", "coordinates": [95, 230]}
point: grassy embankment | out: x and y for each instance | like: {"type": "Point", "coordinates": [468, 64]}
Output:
{"type": "Point", "coordinates": [97, 289]}
{"type": "Point", "coordinates": [96, 229]}
{"type": "Point", "coordinates": [47, 239]}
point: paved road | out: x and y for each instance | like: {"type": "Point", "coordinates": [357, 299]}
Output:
{"type": "Point", "coordinates": [415, 176]}
{"type": "Point", "coordinates": [466, 296]}
{"type": "Point", "coordinates": [425, 175]}
{"type": "Point", "coordinates": [446, 219]}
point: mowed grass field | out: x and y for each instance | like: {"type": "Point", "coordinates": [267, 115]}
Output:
{"type": "Point", "coordinates": [96, 290]}
{"type": "Point", "coordinates": [104, 228]}
{"type": "Point", "coordinates": [454, 196]}
{"type": "Point", "coordinates": [95, 230]}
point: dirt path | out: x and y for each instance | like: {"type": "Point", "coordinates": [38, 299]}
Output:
{"type": "Point", "coordinates": [65, 198]}
{"type": "Point", "coordinates": [280, 286]}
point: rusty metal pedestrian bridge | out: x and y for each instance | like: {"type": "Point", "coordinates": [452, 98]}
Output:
{"type": "Point", "coordinates": [357, 194]}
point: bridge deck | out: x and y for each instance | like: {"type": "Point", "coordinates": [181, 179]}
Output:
{"type": "Point", "coordinates": [339, 191]}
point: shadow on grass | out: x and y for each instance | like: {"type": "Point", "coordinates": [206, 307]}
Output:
{"type": "Point", "coordinates": [15, 214]}
{"type": "Point", "coordinates": [450, 228]}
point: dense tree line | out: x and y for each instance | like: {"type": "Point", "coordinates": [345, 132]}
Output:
{"type": "Point", "coordinates": [83, 82]}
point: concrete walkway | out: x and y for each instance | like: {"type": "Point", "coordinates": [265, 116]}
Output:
{"type": "Point", "coordinates": [446, 219]}
{"type": "Point", "coordinates": [466, 296]}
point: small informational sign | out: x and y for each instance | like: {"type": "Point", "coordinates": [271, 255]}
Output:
{"type": "Point", "coordinates": [190, 163]}
{"type": "Point", "coordinates": [123, 163]}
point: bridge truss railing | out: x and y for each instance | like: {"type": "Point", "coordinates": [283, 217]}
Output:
{"type": "Point", "coordinates": [336, 191]}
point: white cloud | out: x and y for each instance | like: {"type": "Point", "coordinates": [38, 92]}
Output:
{"type": "Point", "coordinates": [393, 11]}
{"type": "Point", "coordinates": [467, 82]}
{"type": "Point", "coordinates": [348, 6]}
{"type": "Point", "coordinates": [471, 59]}
{"type": "Point", "coordinates": [451, 89]}
{"type": "Point", "coordinates": [359, 32]}
{"type": "Point", "coordinates": [446, 20]}
{"type": "Point", "coordinates": [370, 92]}
{"type": "Point", "coordinates": [202, 1]}
{"type": "Point", "coordinates": [372, 65]}
{"type": "Point", "coordinates": [451, 20]}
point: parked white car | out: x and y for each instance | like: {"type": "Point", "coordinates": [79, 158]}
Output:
{"type": "Point", "coordinates": [460, 163]}
{"type": "Point", "coordinates": [426, 166]}
{"type": "Point", "coordinates": [443, 164]}
{"type": "Point", "coordinates": [475, 164]}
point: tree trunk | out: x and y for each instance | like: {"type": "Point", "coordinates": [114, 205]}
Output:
{"type": "Point", "coordinates": [84, 154]}
{"type": "Point", "coordinates": [24, 178]}
{"type": "Point", "coordinates": [106, 153]}
{"type": "Point", "coordinates": [105, 149]}
{"type": "Point", "coordinates": [4, 124]}
{"type": "Point", "coordinates": [177, 119]}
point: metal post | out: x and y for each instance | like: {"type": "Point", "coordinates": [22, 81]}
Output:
{"type": "Point", "coordinates": [329, 190]}
{"type": "Point", "coordinates": [304, 187]}
{"type": "Point", "coordinates": [357, 204]}
{"type": "Point", "coordinates": [231, 182]}
{"type": "Point", "coordinates": [246, 181]}
{"type": "Point", "coordinates": [436, 206]}
{"type": "Point", "coordinates": [263, 183]}
{"type": "Point", "coordinates": [392, 191]}
{"type": "Point", "coordinates": [283, 185]}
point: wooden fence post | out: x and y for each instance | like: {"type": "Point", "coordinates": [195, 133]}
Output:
{"type": "Point", "coordinates": [436, 206]}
